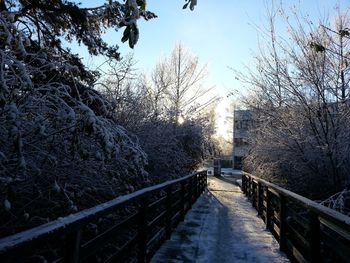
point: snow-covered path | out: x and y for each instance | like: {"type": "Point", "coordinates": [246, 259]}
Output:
{"type": "Point", "coordinates": [221, 227]}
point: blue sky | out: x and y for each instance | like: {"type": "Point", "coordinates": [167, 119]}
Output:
{"type": "Point", "coordinates": [220, 33]}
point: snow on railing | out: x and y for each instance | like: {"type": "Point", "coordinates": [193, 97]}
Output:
{"type": "Point", "coordinates": [139, 222]}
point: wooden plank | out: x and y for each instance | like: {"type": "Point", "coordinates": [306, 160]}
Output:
{"type": "Point", "coordinates": [295, 252]}
{"type": "Point", "coordinates": [158, 235]}
{"type": "Point", "coordinates": [142, 230]}
{"type": "Point", "coordinates": [176, 192]}
{"type": "Point", "coordinates": [168, 212]}
{"type": "Point", "coordinates": [283, 223]}
{"type": "Point", "coordinates": [298, 219]}
{"type": "Point", "coordinates": [182, 196]}
{"type": "Point", "coordinates": [260, 199]}
{"type": "Point", "coordinates": [276, 229]}
{"type": "Point", "coordinates": [296, 237]}
{"type": "Point", "coordinates": [343, 232]}
{"type": "Point", "coordinates": [72, 247]}
{"type": "Point", "coordinates": [175, 204]}
{"type": "Point", "coordinates": [276, 216]}
{"type": "Point", "coordinates": [268, 210]}
{"type": "Point", "coordinates": [244, 184]}
{"type": "Point", "coordinates": [122, 250]}
{"type": "Point", "coordinates": [254, 196]}
{"type": "Point", "coordinates": [336, 245]}
{"type": "Point", "coordinates": [157, 202]}
{"type": "Point", "coordinates": [314, 239]}
{"type": "Point", "coordinates": [94, 244]}
{"type": "Point", "coordinates": [274, 192]}
{"type": "Point", "coordinates": [156, 220]}
{"type": "Point", "coordinates": [174, 222]}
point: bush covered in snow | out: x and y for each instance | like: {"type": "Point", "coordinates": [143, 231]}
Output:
{"type": "Point", "coordinates": [60, 150]}
{"type": "Point", "coordinates": [170, 112]}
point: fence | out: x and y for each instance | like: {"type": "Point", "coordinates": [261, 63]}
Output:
{"type": "Point", "coordinates": [306, 231]}
{"type": "Point", "coordinates": [129, 228]}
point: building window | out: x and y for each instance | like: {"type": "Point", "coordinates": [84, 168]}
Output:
{"type": "Point", "coordinates": [239, 142]}
{"type": "Point", "coordinates": [238, 162]}
{"type": "Point", "coordinates": [242, 124]}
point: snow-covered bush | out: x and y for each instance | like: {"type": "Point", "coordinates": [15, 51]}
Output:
{"type": "Point", "coordinates": [61, 147]}
{"type": "Point", "coordinates": [60, 151]}
{"type": "Point", "coordinates": [172, 152]}
{"type": "Point", "coordinates": [166, 112]}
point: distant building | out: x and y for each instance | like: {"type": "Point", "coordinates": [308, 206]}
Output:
{"type": "Point", "coordinates": [242, 121]}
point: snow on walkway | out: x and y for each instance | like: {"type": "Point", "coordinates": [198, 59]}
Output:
{"type": "Point", "coordinates": [221, 227]}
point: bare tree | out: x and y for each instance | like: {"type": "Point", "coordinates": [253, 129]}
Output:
{"type": "Point", "coordinates": [161, 79]}
{"type": "Point", "coordinates": [301, 100]}
{"type": "Point", "coordinates": [184, 90]}
{"type": "Point", "coordinates": [149, 107]}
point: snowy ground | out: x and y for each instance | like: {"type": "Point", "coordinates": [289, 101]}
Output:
{"type": "Point", "coordinates": [229, 174]}
{"type": "Point", "coordinates": [224, 171]}
{"type": "Point", "coordinates": [221, 227]}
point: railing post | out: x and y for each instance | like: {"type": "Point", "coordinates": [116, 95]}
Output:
{"type": "Point", "coordinates": [182, 208]}
{"type": "Point", "coordinates": [283, 223]}
{"type": "Point", "coordinates": [253, 194]}
{"type": "Point", "coordinates": [315, 246]}
{"type": "Point", "coordinates": [168, 214]}
{"type": "Point", "coordinates": [243, 184]}
{"type": "Point", "coordinates": [197, 178]}
{"type": "Point", "coordinates": [246, 186]}
{"type": "Point", "coordinates": [72, 246]}
{"type": "Point", "coordinates": [194, 187]}
{"type": "Point", "coordinates": [142, 230]}
{"type": "Point", "coordinates": [249, 187]}
{"type": "Point", "coordinates": [260, 199]}
{"type": "Point", "coordinates": [201, 180]}
{"type": "Point", "coordinates": [268, 209]}
{"type": "Point", "coordinates": [203, 175]}
{"type": "Point", "coordinates": [190, 193]}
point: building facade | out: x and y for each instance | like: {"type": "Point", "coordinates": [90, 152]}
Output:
{"type": "Point", "coordinates": [242, 122]}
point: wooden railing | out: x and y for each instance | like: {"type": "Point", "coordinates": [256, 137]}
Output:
{"type": "Point", "coordinates": [129, 228]}
{"type": "Point", "coordinates": [306, 231]}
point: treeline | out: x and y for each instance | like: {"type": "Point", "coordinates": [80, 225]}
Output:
{"type": "Point", "coordinates": [300, 100]}
{"type": "Point", "coordinates": [170, 111]}
{"type": "Point", "coordinates": [71, 138]}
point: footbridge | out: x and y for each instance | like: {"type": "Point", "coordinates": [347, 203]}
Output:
{"type": "Point", "coordinates": [192, 219]}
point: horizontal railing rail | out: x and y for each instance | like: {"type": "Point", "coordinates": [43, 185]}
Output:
{"type": "Point", "coordinates": [132, 227]}
{"type": "Point", "coordinates": [306, 231]}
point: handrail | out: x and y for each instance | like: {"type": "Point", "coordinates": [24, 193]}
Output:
{"type": "Point", "coordinates": [316, 207]}
{"type": "Point", "coordinates": [282, 209]}
{"type": "Point", "coordinates": [72, 223]}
